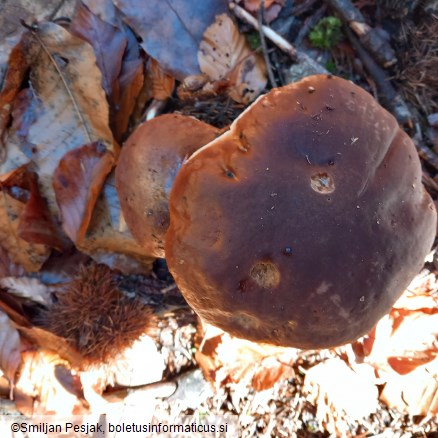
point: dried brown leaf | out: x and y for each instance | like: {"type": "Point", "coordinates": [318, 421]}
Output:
{"type": "Point", "coordinates": [77, 183]}
{"type": "Point", "coordinates": [224, 358]}
{"type": "Point", "coordinates": [71, 106]}
{"type": "Point", "coordinates": [10, 347]}
{"type": "Point", "coordinates": [131, 81]}
{"type": "Point", "coordinates": [36, 224]}
{"type": "Point", "coordinates": [159, 83]}
{"type": "Point", "coordinates": [108, 42]}
{"type": "Point", "coordinates": [171, 30]}
{"type": "Point", "coordinates": [224, 54]}
{"type": "Point", "coordinates": [29, 255]}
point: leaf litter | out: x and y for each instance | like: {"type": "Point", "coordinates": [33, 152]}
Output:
{"type": "Point", "coordinates": [65, 106]}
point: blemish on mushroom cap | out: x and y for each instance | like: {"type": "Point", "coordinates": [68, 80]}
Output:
{"type": "Point", "coordinates": [333, 242]}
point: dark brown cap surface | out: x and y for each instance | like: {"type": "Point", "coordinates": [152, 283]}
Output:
{"type": "Point", "coordinates": [303, 224]}
{"type": "Point", "coordinates": [147, 166]}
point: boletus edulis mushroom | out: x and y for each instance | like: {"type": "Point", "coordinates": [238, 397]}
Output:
{"type": "Point", "coordinates": [148, 163]}
{"type": "Point", "coordinates": [302, 224]}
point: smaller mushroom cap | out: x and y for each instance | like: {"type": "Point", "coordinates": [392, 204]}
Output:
{"type": "Point", "coordinates": [146, 169]}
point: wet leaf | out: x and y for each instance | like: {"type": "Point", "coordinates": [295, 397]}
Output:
{"type": "Point", "coordinates": [171, 30]}
{"type": "Point", "coordinates": [10, 347]}
{"type": "Point", "coordinates": [77, 183]}
{"type": "Point", "coordinates": [224, 54]}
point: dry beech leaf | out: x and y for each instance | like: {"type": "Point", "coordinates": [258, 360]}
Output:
{"type": "Point", "coordinates": [271, 8]}
{"type": "Point", "coordinates": [131, 81]}
{"type": "Point", "coordinates": [29, 255]}
{"type": "Point", "coordinates": [39, 390]}
{"type": "Point", "coordinates": [160, 85]}
{"type": "Point", "coordinates": [36, 223]}
{"type": "Point", "coordinates": [415, 393]}
{"type": "Point", "coordinates": [7, 267]}
{"type": "Point", "coordinates": [226, 359]}
{"type": "Point", "coordinates": [108, 42]}
{"type": "Point", "coordinates": [171, 30]}
{"type": "Point", "coordinates": [25, 287]}
{"type": "Point", "coordinates": [224, 54]}
{"type": "Point", "coordinates": [71, 106]}
{"type": "Point", "coordinates": [15, 74]}
{"type": "Point", "coordinates": [108, 239]}
{"type": "Point", "coordinates": [10, 347]}
{"type": "Point", "coordinates": [336, 391]}
{"type": "Point", "coordinates": [77, 182]}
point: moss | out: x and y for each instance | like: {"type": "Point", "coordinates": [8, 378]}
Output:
{"type": "Point", "coordinates": [327, 33]}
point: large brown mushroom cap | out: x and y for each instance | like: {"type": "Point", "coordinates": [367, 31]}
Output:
{"type": "Point", "coordinates": [147, 166]}
{"type": "Point", "coordinates": [302, 224]}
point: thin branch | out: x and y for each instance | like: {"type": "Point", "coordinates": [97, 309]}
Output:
{"type": "Point", "coordinates": [278, 40]}
{"type": "Point", "coordinates": [264, 46]}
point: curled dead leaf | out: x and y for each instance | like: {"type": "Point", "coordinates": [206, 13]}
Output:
{"type": "Point", "coordinates": [171, 30]}
{"type": "Point", "coordinates": [77, 183]}
{"type": "Point", "coordinates": [224, 54]}
{"type": "Point", "coordinates": [70, 108]}
{"type": "Point", "coordinates": [10, 347]}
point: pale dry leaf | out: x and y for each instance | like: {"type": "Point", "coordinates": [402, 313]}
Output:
{"type": "Point", "coordinates": [39, 391]}
{"type": "Point", "coordinates": [223, 357]}
{"type": "Point", "coordinates": [108, 239]}
{"type": "Point", "coordinates": [29, 255]}
{"type": "Point", "coordinates": [140, 364]}
{"type": "Point", "coordinates": [224, 54]}
{"type": "Point", "coordinates": [336, 390]}
{"type": "Point", "coordinates": [26, 287]}
{"type": "Point", "coordinates": [10, 347]}
{"type": "Point", "coordinates": [406, 338]}
{"type": "Point", "coordinates": [415, 393]}
{"type": "Point", "coordinates": [72, 107]}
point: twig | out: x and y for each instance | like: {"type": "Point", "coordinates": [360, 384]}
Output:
{"type": "Point", "coordinates": [264, 46]}
{"type": "Point", "coordinates": [278, 40]}
{"type": "Point", "coordinates": [369, 37]}
{"type": "Point", "coordinates": [309, 24]}
{"type": "Point", "coordinates": [391, 99]}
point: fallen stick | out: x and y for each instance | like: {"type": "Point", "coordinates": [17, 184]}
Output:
{"type": "Point", "coordinates": [369, 37]}
{"type": "Point", "coordinates": [278, 40]}
{"type": "Point", "coordinates": [390, 98]}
